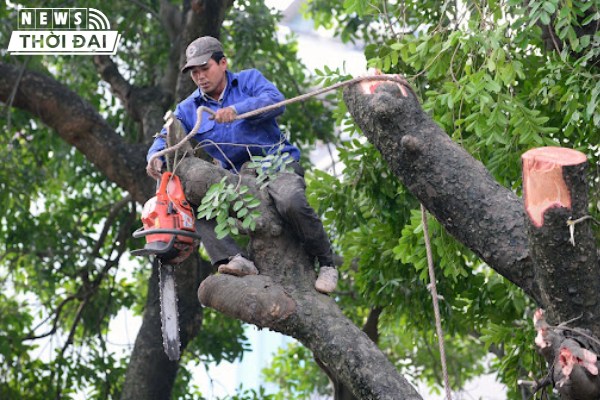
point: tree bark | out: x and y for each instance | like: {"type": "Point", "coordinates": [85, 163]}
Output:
{"type": "Point", "coordinates": [564, 256]}
{"type": "Point", "coordinates": [537, 256]}
{"type": "Point", "coordinates": [452, 185]}
{"type": "Point", "coordinates": [78, 124]}
{"type": "Point", "coordinates": [282, 298]}
{"type": "Point", "coordinates": [341, 391]}
{"type": "Point", "coordinates": [555, 191]}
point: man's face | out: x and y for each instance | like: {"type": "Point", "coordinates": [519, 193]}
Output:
{"type": "Point", "coordinates": [210, 78]}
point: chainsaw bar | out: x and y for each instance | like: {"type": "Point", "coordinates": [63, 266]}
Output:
{"type": "Point", "coordinates": [169, 316]}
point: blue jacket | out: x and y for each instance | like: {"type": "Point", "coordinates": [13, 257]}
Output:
{"type": "Point", "coordinates": [260, 135]}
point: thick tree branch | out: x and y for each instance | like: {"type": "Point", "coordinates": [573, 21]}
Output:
{"type": "Point", "coordinates": [283, 298]}
{"type": "Point", "coordinates": [171, 17]}
{"type": "Point", "coordinates": [203, 18]}
{"type": "Point", "coordinates": [317, 322]}
{"type": "Point", "coordinates": [453, 186]}
{"type": "Point", "coordinates": [146, 105]}
{"type": "Point", "coordinates": [80, 125]}
{"type": "Point", "coordinates": [109, 72]}
{"type": "Point", "coordinates": [566, 266]}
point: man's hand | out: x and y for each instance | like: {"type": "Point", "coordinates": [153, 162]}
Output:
{"type": "Point", "coordinates": [225, 115]}
{"type": "Point", "coordinates": [154, 168]}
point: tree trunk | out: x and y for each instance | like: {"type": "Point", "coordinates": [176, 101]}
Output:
{"type": "Point", "coordinates": [151, 374]}
{"type": "Point", "coordinates": [555, 190]}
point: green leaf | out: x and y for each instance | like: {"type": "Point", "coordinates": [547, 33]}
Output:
{"type": "Point", "coordinates": [549, 7]}
{"type": "Point", "coordinates": [238, 205]}
{"type": "Point", "coordinates": [253, 203]}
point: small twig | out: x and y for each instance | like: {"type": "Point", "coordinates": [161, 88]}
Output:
{"type": "Point", "coordinates": [332, 159]}
{"type": "Point", "coordinates": [387, 18]}
{"type": "Point", "coordinates": [115, 209]}
{"type": "Point", "coordinates": [57, 311]}
{"type": "Point", "coordinates": [536, 385]}
{"type": "Point", "coordinates": [74, 326]}
{"type": "Point", "coordinates": [570, 320]}
{"type": "Point", "coordinates": [452, 65]}
{"type": "Point", "coordinates": [578, 220]}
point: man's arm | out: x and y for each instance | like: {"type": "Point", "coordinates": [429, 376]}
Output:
{"type": "Point", "coordinates": [154, 166]}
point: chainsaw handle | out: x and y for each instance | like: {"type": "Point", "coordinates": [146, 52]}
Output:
{"type": "Point", "coordinates": [163, 182]}
{"type": "Point", "coordinates": [145, 232]}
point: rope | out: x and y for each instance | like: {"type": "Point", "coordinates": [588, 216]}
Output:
{"type": "Point", "coordinates": [571, 224]}
{"type": "Point", "coordinates": [302, 97]}
{"type": "Point", "coordinates": [169, 116]}
{"type": "Point", "coordinates": [392, 78]}
{"type": "Point", "coordinates": [436, 306]}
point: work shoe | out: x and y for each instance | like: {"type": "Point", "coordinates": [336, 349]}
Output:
{"type": "Point", "coordinates": [327, 280]}
{"type": "Point", "coordinates": [238, 266]}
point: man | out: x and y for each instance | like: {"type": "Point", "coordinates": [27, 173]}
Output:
{"type": "Point", "coordinates": [232, 142]}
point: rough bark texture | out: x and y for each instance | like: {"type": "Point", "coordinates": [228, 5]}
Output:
{"type": "Point", "coordinates": [282, 298]}
{"type": "Point", "coordinates": [453, 186]}
{"type": "Point", "coordinates": [340, 390]}
{"type": "Point", "coordinates": [567, 272]}
{"type": "Point", "coordinates": [565, 262]}
{"type": "Point", "coordinates": [490, 220]}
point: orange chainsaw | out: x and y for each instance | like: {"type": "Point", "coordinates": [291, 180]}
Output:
{"type": "Point", "coordinates": [169, 227]}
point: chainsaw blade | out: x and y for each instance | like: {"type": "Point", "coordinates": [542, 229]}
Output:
{"type": "Point", "coordinates": [169, 316]}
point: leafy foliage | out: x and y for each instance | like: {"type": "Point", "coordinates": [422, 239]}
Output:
{"type": "Point", "coordinates": [268, 167]}
{"type": "Point", "coordinates": [223, 196]}
{"type": "Point", "coordinates": [64, 273]}
{"type": "Point", "coordinates": [229, 203]}
{"type": "Point", "coordinates": [487, 76]}
{"type": "Point", "coordinates": [289, 369]}
{"type": "Point", "coordinates": [499, 77]}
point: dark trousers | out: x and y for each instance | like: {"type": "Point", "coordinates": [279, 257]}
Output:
{"type": "Point", "coordinates": [289, 197]}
